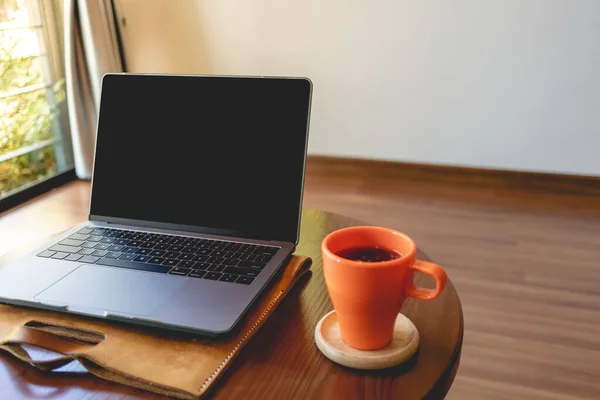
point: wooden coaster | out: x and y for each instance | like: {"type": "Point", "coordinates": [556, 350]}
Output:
{"type": "Point", "coordinates": [403, 345]}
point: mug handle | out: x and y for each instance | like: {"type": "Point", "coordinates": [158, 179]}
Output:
{"type": "Point", "coordinates": [432, 270]}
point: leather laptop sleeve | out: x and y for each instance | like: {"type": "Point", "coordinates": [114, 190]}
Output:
{"type": "Point", "coordinates": [136, 356]}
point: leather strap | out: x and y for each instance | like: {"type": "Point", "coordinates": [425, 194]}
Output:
{"type": "Point", "coordinates": [38, 338]}
{"type": "Point", "coordinates": [46, 365]}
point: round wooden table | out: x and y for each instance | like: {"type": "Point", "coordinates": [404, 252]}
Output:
{"type": "Point", "coordinates": [282, 360]}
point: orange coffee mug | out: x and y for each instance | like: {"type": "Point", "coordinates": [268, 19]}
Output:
{"type": "Point", "coordinates": [368, 296]}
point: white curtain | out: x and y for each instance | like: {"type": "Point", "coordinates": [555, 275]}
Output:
{"type": "Point", "coordinates": [91, 50]}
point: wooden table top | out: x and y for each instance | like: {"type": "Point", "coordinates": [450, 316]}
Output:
{"type": "Point", "coordinates": [282, 360]}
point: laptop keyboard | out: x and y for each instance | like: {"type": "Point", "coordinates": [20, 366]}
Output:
{"type": "Point", "coordinates": [168, 254]}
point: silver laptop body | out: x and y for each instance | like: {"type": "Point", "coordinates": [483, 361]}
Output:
{"type": "Point", "coordinates": [185, 228]}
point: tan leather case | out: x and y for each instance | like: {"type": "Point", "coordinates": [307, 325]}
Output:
{"type": "Point", "coordinates": [135, 356]}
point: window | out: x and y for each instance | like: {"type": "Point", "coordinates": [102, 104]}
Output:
{"type": "Point", "coordinates": [35, 145]}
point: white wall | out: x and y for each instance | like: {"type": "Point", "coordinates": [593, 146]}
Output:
{"type": "Point", "coordinates": [509, 84]}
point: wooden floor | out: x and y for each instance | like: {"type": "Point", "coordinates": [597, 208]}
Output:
{"type": "Point", "coordinates": [523, 253]}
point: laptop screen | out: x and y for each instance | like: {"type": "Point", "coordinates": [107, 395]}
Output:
{"type": "Point", "coordinates": [220, 155]}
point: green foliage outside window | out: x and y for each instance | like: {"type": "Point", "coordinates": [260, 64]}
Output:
{"type": "Point", "coordinates": [26, 118]}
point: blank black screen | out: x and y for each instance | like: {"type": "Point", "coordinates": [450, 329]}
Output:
{"type": "Point", "coordinates": [223, 153]}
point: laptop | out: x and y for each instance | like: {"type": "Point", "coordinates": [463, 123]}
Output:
{"type": "Point", "coordinates": [195, 205]}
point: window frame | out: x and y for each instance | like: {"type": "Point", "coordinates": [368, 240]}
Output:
{"type": "Point", "coordinates": [35, 189]}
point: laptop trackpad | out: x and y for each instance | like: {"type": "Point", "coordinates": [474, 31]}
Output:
{"type": "Point", "coordinates": [121, 291]}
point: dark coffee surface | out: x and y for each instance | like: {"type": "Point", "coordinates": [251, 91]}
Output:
{"type": "Point", "coordinates": [369, 254]}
